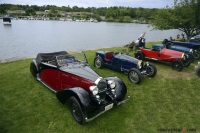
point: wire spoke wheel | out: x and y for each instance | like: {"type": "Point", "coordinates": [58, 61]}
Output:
{"type": "Point", "coordinates": [98, 62]}
{"type": "Point", "coordinates": [135, 76]}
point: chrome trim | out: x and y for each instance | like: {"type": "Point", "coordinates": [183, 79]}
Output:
{"type": "Point", "coordinates": [39, 79]}
{"type": "Point", "coordinates": [90, 119]}
{"type": "Point", "coordinates": [97, 80]}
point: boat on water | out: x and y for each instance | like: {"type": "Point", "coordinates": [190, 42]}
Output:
{"type": "Point", "coordinates": [7, 20]}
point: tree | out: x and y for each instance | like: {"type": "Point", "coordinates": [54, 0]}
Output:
{"type": "Point", "coordinates": [184, 15]}
{"type": "Point", "coordinates": [30, 11]}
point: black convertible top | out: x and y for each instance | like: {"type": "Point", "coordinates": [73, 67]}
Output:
{"type": "Point", "coordinates": [45, 57]}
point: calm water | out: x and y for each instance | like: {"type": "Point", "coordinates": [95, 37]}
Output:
{"type": "Point", "coordinates": [26, 38]}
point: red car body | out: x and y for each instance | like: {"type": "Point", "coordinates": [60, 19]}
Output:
{"type": "Point", "coordinates": [178, 59]}
{"type": "Point", "coordinates": [162, 55]}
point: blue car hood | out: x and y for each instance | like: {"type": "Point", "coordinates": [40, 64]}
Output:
{"type": "Point", "coordinates": [180, 48]}
{"type": "Point", "coordinates": [173, 47]}
{"type": "Point", "coordinates": [126, 57]}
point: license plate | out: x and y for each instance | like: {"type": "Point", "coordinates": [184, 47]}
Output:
{"type": "Point", "coordinates": [108, 107]}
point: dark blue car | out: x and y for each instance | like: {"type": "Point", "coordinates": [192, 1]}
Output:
{"type": "Point", "coordinates": [195, 46]}
{"type": "Point", "coordinates": [179, 46]}
{"type": "Point", "coordinates": [122, 62]}
{"type": "Point", "coordinates": [195, 39]}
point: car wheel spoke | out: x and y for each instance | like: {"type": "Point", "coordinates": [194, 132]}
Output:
{"type": "Point", "coordinates": [134, 77]}
{"type": "Point", "coordinates": [76, 111]}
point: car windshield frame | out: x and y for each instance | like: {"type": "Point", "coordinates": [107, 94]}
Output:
{"type": "Point", "coordinates": [72, 57]}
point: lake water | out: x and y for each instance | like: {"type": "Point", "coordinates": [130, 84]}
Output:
{"type": "Point", "coordinates": [27, 38]}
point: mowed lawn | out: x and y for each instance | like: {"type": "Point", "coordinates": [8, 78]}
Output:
{"type": "Point", "coordinates": [170, 100]}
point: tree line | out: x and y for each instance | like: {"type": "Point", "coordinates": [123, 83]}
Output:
{"type": "Point", "coordinates": [117, 14]}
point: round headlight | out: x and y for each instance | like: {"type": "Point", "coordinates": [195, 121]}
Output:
{"type": "Point", "coordinates": [140, 64]}
{"type": "Point", "coordinates": [111, 84]}
{"type": "Point", "coordinates": [94, 90]}
{"type": "Point", "coordinates": [191, 50]}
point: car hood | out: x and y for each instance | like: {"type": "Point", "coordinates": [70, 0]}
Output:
{"type": "Point", "coordinates": [172, 53]}
{"type": "Point", "coordinates": [182, 49]}
{"type": "Point", "coordinates": [126, 57]}
{"type": "Point", "coordinates": [81, 71]}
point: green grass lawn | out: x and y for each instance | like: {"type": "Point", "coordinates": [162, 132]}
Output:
{"type": "Point", "coordinates": [169, 100]}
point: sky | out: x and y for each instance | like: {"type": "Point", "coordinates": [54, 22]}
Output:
{"type": "Point", "coordinates": [94, 3]}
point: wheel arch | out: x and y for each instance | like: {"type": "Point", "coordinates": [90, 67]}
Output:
{"type": "Point", "coordinates": [120, 88]}
{"type": "Point", "coordinates": [34, 68]}
{"type": "Point", "coordinates": [81, 95]}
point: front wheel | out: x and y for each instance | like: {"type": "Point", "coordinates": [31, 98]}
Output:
{"type": "Point", "coordinates": [186, 62]}
{"type": "Point", "coordinates": [98, 62]}
{"type": "Point", "coordinates": [177, 65]}
{"type": "Point", "coordinates": [151, 70]}
{"type": "Point", "coordinates": [135, 76]}
{"type": "Point", "coordinates": [76, 110]}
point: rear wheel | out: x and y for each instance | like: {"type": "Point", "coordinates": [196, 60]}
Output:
{"type": "Point", "coordinates": [196, 55]}
{"type": "Point", "coordinates": [177, 65]}
{"type": "Point", "coordinates": [191, 57]}
{"type": "Point", "coordinates": [98, 62]}
{"type": "Point", "coordinates": [135, 76]}
{"type": "Point", "coordinates": [76, 110]}
{"type": "Point", "coordinates": [168, 45]}
{"type": "Point", "coordinates": [151, 70]}
{"type": "Point", "coordinates": [33, 69]}
{"type": "Point", "coordinates": [139, 56]}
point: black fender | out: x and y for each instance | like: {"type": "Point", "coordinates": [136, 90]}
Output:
{"type": "Point", "coordinates": [82, 96]}
{"type": "Point", "coordinates": [34, 68]}
{"type": "Point", "coordinates": [120, 88]}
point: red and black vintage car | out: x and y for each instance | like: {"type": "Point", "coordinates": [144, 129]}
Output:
{"type": "Point", "coordinates": [72, 79]}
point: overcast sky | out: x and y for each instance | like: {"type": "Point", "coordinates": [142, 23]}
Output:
{"type": "Point", "coordinates": [94, 3]}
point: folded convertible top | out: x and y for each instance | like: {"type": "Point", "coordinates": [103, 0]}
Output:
{"type": "Point", "coordinates": [44, 57]}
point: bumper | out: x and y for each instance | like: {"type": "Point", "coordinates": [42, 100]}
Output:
{"type": "Point", "coordinates": [102, 112]}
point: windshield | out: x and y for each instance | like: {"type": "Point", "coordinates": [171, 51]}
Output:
{"type": "Point", "coordinates": [71, 58]}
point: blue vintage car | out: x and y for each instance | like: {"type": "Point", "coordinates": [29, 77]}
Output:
{"type": "Point", "coordinates": [189, 44]}
{"type": "Point", "coordinates": [188, 51]}
{"type": "Point", "coordinates": [195, 39]}
{"type": "Point", "coordinates": [122, 62]}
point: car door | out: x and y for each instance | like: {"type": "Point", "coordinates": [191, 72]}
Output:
{"type": "Point", "coordinates": [67, 80]}
{"type": "Point", "coordinates": [153, 54]}
{"type": "Point", "coordinates": [116, 62]}
{"type": "Point", "coordinates": [49, 75]}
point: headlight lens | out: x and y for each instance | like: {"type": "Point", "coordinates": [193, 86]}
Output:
{"type": "Point", "coordinates": [94, 90]}
{"type": "Point", "coordinates": [140, 64]}
{"type": "Point", "coordinates": [191, 50]}
{"type": "Point", "coordinates": [112, 84]}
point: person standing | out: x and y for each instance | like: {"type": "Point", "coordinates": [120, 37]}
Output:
{"type": "Point", "coordinates": [141, 40]}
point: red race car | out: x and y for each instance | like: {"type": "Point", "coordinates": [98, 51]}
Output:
{"type": "Point", "coordinates": [177, 59]}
